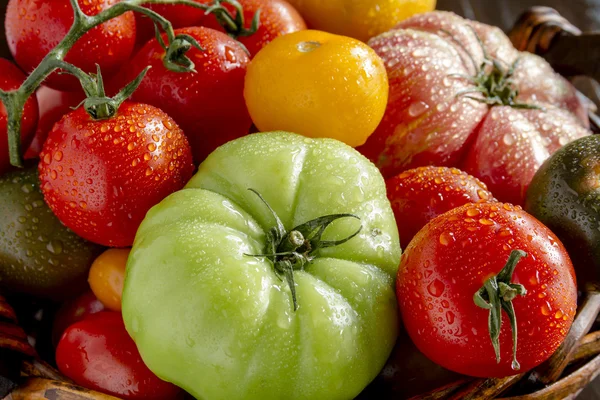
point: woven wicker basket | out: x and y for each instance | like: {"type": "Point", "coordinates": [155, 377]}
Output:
{"type": "Point", "coordinates": [24, 374]}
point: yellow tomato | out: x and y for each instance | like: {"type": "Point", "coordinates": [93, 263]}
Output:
{"type": "Point", "coordinates": [107, 275]}
{"type": "Point", "coordinates": [319, 85]}
{"type": "Point", "coordinates": [360, 19]}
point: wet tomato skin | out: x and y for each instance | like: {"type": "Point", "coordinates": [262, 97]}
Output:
{"type": "Point", "coordinates": [101, 177]}
{"type": "Point", "coordinates": [450, 259]}
{"type": "Point", "coordinates": [421, 194]}
{"type": "Point", "coordinates": [437, 114]}
{"type": "Point", "coordinates": [98, 353]}
{"type": "Point", "coordinates": [277, 17]}
{"type": "Point", "coordinates": [74, 311]}
{"type": "Point", "coordinates": [35, 27]}
{"type": "Point", "coordinates": [208, 105]}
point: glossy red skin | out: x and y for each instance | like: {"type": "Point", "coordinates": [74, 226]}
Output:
{"type": "Point", "coordinates": [53, 104]}
{"type": "Point", "coordinates": [208, 105]}
{"type": "Point", "coordinates": [34, 27]}
{"type": "Point", "coordinates": [421, 194]}
{"type": "Point", "coordinates": [277, 17]}
{"type": "Point", "coordinates": [97, 353]}
{"type": "Point", "coordinates": [101, 177]}
{"type": "Point", "coordinates": [450, 259]}
{"type": "Point", "coordinates": [428, 123]}
{"type": "Point", "coordinates": [11, 78]}
{"type": "Point", "coordinates": [74, 311]}
{"type": "Point", "coordinates": [180, 16]}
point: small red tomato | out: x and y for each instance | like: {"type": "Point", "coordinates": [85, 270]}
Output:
{"type": "Point", "coordinates": [468, 258]}
{"type": "Point", "coordinates": [208, 105]}
{"type": "Point", "coordinates": [53, 105]}
{"type": "Point", "coordinates": [98, 353]}
{"type": "Point", "coordinates": [180, 16]}
{"type": "Point", "coordinates": [421, 194]}
{"type": "Point", "coordinates": [74, 311]}
{"type": "Point", "coordinates": [277, 17]}
{"type": "Point", "coordinates": [11, 78]}
{"type": "Point", "coordinates": [35, 27]}
{"type": "Point", "coordinates": [101, 177]}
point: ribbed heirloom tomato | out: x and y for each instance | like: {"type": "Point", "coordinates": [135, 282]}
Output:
{"type": "Point", "coordinates": [490, 255]}
{"type": "Point", "coordinates": [35, 27]}
{"type": "Point", "coordinates": [319, 85]}
{"type": "Point", "coordinates": [462, 96]}
{"type": "Point", "coordinates": [232, 295]}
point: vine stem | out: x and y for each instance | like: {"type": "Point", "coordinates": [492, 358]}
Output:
{"type": "Point", "coordinates": [15, 100]}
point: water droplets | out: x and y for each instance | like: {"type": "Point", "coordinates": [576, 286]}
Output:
{"type": "Point", "coordinates": [436, 288]}
{"type": "Point", "coordinates": [417, 108]}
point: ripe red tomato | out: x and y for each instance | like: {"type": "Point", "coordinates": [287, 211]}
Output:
{"type": "Point", "coordinates": [98, 353]}
{"type": "Point", "coordinates": [74, 311]}
{"type": "Point", "coordinates": [53, 104]}
{"type": "Point", "coordinates": [34, 27]}
{"type": "Point", "coordinates": [452, 258]}
{"type": "Point", "coordinates": [180, 16]}
{"type": "Point", "coordinates": [421, 194]}
{"type": "Point", "coordinates": [101, 177]}
{"type": "Point", "coordinates": [277, 17]}
{"type": "Point", "coordinates": [11, 78]}
{"type": "Point", "coordinates": [442, 109]}
{"type": "Point", "coordinates": [208, 105]}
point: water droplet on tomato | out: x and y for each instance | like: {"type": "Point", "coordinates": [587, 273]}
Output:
{"type": "Point", "coordinates": [417, 109]}
{"type": "Point", "coordinates": [436, 288]}
{"type": "Point", "coordinates": [450, 317]}
{"type": "Point", "coordinates": [546, 308]}
{"type": "Point", "coordinates": [473, 212]}
{"type": "Point", "coordinates": [446, 238]}
{"type": "Point", "coordinates": [484, 221]}
{"type": "Point", "coordinates": [151, 147]}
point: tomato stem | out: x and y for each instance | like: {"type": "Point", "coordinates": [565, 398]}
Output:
{"type": "Point", "coordinates": [492, 80]}
{"type": "Point", "coordinates": [497, 294]}
{"type": "Point", "coordinates": [14, 100]}
{"type": "Point", "coordinates": [290, 251]}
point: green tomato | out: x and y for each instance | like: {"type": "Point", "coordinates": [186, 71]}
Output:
{"type": "Point", "coordinates": [212, 315]}
{"type": "Point", "coordinates": [38, 254]}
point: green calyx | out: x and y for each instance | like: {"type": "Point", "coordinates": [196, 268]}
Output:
{"type": "Point", "coordinates": [97, 104]}
{"type": "Point", "coordinates": [292, 250]}
{"type": "Point", "coordinates": [492, 79]}
{"type": "Point", "coordinates": [497, 294]}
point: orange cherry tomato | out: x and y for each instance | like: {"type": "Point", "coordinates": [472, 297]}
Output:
{"type": "Point", "coordinates": [107, 275]}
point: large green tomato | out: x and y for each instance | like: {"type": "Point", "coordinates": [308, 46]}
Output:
{"type": "Point", "coordinates": [209, 313]}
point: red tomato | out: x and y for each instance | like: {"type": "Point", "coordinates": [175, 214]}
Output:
{"type": "Point", "coordinates": [97, 353]}
{"type": "Point", "coordinates": [101, 177]}
{"type": "Point", "coordinates": [421, 194]}
{"type": "Point", "coordinates": [437, 112]}
{"type": "Point", "coordinates": [74, 311]}
{"type": "Point", "coordinates": [53, 105]}
{"type": "Point", "coordinates": [277, 17]}
{"type": "Point", "coordinates": [452, 258]}
{"type": "Point", "coordinates": [11, 78]}
{"type": "Point", "coordinates": [208, 105]}
{"type": "Point", "coordinates": [180, 16]}
{"type": "Point", "coordinates": [34, 27]}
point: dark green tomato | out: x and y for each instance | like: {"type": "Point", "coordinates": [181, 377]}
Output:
{"type": "Point", "coordinates": [38, 255]}
{"type": "Point", "coordinates": [565, 196]}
